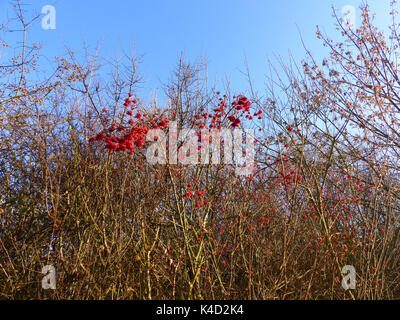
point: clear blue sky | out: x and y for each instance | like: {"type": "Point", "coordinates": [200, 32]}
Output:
{"type": "Point", "coordinates": [222, 30]}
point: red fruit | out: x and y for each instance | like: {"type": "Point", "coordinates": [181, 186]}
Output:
{"type": "Point", "coordinates": [127, 102]}
{"type": "Point", "coordinates": [188, 194]}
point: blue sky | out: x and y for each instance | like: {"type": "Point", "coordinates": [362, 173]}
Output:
{"type": "Point", "coordinates": [223, 30]}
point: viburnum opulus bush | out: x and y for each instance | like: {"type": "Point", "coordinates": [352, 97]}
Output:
{"type": "Point", "coordinates": [78, 192]}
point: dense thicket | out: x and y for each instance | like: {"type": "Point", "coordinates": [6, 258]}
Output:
{"type": "Point", "coordinates": [324, 192]}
